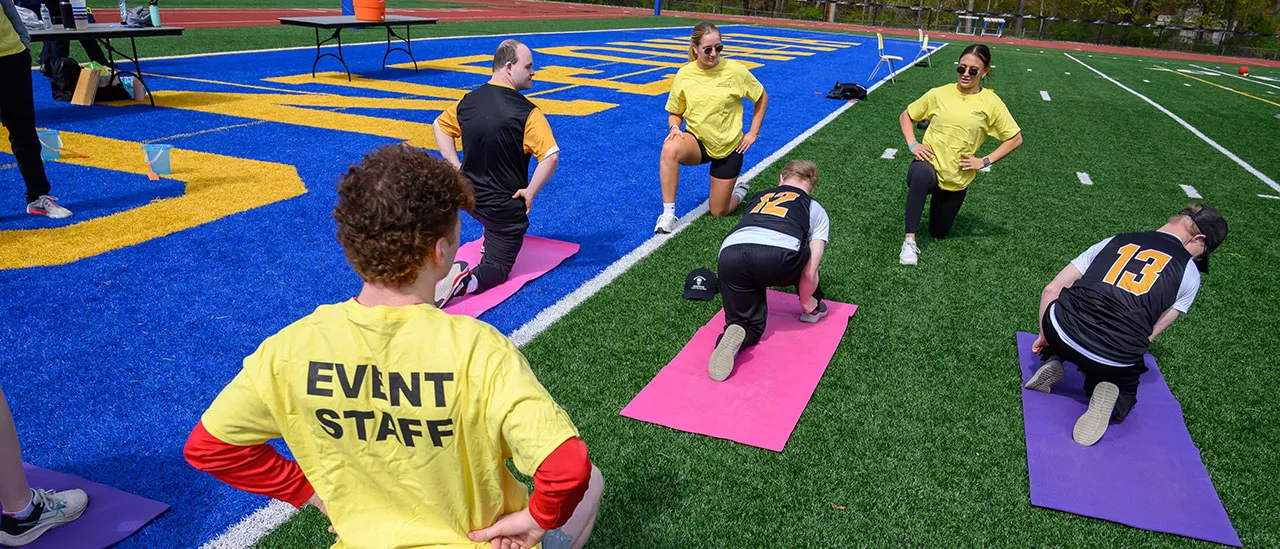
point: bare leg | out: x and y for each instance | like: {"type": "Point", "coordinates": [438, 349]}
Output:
{"type": "Point", "coordinates": [723, 201]}
{"type": "Point", "coordinates": [15, 493]}
{"type": "Point", "coordinates": [584, 517]}
{"type": "Point", "coordinates": [679, 151]}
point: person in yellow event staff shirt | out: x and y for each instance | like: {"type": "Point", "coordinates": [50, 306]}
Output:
{"type": "Point", "coordinates": [707, 96]}
{"type": "Point", "coordinates": [18, 112]}
{"type": "Point", "coordinates": [961, 116]}
{"type": "Point", "coordinates": [401, 417]}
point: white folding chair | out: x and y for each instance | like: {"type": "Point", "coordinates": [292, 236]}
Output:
{"type": "Point", "coordinates": [925, 48]}
{"type": "Point", "coordinates": [884, 60]}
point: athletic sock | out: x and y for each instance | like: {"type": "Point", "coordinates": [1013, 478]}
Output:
{"type": "Point", "coordinates": [668, 208]}
{"type": "Point", "coordinates": [25, 513]}
{"type": "Point", "coordinates": [741, 193]}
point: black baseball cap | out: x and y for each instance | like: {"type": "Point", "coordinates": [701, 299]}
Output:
{"type": "Point", "coordinates": [701, 284]}
{"type": "Point", "coordinates": [1210, 223]}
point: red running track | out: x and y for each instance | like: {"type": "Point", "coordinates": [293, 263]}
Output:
{"type": "Point", "coordinates": [525, 10]}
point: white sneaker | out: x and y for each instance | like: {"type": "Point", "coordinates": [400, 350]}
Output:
{"type": "Point", "coordinates": [45, 205]}
{"type": "Point", "coordinates": [910, 253]}
{"type": "Point", "coordinates": [721, 363]}
{"type": "Point", "coordinates": [666, 224]}
{"type": "Point", "coordinates": [741, 189]}
{"type": "Point", "coordinates": [1093, 424]}
{"type": "Point", "coordinates": [453, 284]}
{"type": "Point", "coordinates": [1044, 378]}
{"type": "Point", "coordinates": [51, 509]}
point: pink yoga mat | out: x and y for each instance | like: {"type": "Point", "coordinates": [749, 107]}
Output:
{"type": "Point", "coordinates": [111, 516]}
{"type": "Point", "coordinates": [538, 256]}
{"type": "Point", "coordinates": [761, 402]}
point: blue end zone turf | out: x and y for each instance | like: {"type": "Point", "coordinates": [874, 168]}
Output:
{"type": "Point", "coordinates": [111, 358]}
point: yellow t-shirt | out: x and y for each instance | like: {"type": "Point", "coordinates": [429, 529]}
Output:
{"type": "Point", "coordinates": [711, 103]}
{"type": "Point", "coordinates": [402, 418]}
{"type": "Point", "coordinates": [959, 124]}
{"type": "Point", "coordinates": [10, 42]}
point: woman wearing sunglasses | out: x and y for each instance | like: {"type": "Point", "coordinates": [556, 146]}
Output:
{"type": "Point", "coordinates": [961, 117]}
{"type": "Point", "coordinates": [707, 96]}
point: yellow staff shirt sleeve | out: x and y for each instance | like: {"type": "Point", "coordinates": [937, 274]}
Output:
{"type": "Point", "coordinates": [748, 86]}
{"type": "Point", "coordinates": [10, 39]}
{"type": "Point", "coordinates": [240, 415]}
{"type": "Point", "coordinates": [448, 122]}
{"type": "Point", "coordinates": [1000, 122]}
{"type": "Point", "coordinates": [675, 99]}
{"type": "Point", "coordinates": [521, 412]}
{"type": "Point", "coordinates": [538, 139]}
{"type": "Point", "coordinates": [923, 107]}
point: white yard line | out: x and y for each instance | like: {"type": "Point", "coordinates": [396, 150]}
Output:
{"type": "Point", "coordinates": [1084, 178]}
{"type": "Point", "coordinates": [889, 154]}
{"type": "Point", "coordinates": [1191, 191]}
{"type": "Point", "coordinates": [1237, 77]}
{"type": "Point", "coordinates": [254, 527]}
{"type": "Point", "coordinates": [1269, 196]}
{"type": "Point", "coordinates": [1045, 95]}
{"type": "Point", "coordinates": [1249, 168]}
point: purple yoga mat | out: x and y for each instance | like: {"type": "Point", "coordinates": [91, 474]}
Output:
{"type": "Point", "coordinates": [111, 516]}
{"type": "Point", "coordinates": [1145, 472]}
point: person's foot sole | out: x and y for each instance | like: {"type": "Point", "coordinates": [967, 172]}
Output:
{"type": "Point", "coordinates": [1044, 378]}
{"type": "Point", "coordinates": [721, 363]}
{"type": "Point", "coordinates": [1093, 424]}
{"type": "Point", "coordinates": [451, 285]}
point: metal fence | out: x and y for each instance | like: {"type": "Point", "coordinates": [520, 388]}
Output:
{"type": "Point", "coordinates": [1156, 35]}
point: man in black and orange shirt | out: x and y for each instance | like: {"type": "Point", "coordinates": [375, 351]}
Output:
{"type": "Point", "coordinates": [500, 129]}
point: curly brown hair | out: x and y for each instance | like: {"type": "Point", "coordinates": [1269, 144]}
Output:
{"type": "Point", "coordinates": [392, 209]}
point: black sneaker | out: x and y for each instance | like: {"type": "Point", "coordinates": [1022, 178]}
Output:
{"type": "Point", "coordinates": [51, 509]}
{"type": "Point", "coordinates": [454, 284]}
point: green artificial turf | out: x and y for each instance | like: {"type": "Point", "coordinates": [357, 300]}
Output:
{"type": "Point", "coordinates": [916, 429]}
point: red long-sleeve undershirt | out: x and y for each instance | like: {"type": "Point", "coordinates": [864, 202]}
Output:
{"type": "Point", "coordinates": [558, 485]}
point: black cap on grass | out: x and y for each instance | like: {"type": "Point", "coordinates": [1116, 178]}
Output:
{"type": "Point", "coordinates": [701, 284]}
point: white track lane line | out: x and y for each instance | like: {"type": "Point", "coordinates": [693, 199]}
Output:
{"type": "Point", "coordinates": [1191, 191]}
{"type": "Point", "coordinates": [1237, 77]}
{"type": "Point", "coordinates": [1249, 168]}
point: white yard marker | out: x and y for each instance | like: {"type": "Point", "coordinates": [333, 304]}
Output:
{"type": "Point", "coordinates": [888, 154]}
{"type": "Point", "coordinates": [1028, 70]}
{"type": "Point", "coordinates": [1068, 74]}
{"type": "Point", "coordinates": [1248, 167]}
{"type": "Point", "coordinates": [1191, 191]}
{"type": "Point", "coordinates": [1269, 196]}
{"type": "Point", "coordinates": [1045, 95]}
{"type": "Point", "coordinates": [1271, 92]}
{"type": "Point", "coordinates": [1145, 80]}
{"type": "Point", "coordinates": [1186, 84]}
{"type": "Point", "coordinates": [1084, 178]}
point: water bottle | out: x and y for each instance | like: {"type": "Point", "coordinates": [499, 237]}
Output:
{"type": "Point", "coordinates": [45, 19]}
{"type": "Point", "coordinates": [155, 13]}
{"type": "Point", "coordinates": [124, 12]}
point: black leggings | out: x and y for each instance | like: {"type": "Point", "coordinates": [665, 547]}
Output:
{"type": "Point", "coordinates": [746, 272]}
{"type": "Point", "coordinates": [18, 113]}
{"type": "Point", "coordinates": [504, 230]}
{"type": "Point", "coordinates": [922, 181]}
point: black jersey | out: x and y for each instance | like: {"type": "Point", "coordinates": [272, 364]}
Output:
{"type": "Point", "coordinates": [784, 209]}
{"type": "Point", "coordinates": [492, 119]}
{"type": "Point", "coordinates": [1128, 283]}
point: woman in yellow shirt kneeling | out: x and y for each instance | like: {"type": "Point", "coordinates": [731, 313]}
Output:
{"type": "Point", "coordinates": [707, 96]}
{"type": "Point", "coordinates": [961, 116]}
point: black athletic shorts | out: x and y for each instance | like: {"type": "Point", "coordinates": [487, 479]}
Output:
{"type": "Point", "coordinates": [729, 167]}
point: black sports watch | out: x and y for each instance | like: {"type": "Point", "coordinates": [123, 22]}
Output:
{"type": "Point", "coordinates": [986, 162]}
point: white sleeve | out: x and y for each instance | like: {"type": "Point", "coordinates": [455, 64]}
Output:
{"type": "Point", "coordinates": [819, 222]}
{"type": "Point", "coordinates": [1085, 259]}
{"type": "Point", "coordinates": [1188, 289]}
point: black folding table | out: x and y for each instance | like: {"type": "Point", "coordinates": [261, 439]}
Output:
{"type": "Point", "coordinates": [103, 33]}
{"type": "Point", "coordinates": [338, 22]}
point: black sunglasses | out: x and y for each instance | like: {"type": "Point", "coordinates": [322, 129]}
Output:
{"type": "Point", "coordinates": [973, 71]}
{"type": "Point", "coordinates": [707, 50]}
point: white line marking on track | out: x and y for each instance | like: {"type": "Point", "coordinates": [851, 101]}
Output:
{"type": "Point", "coordinates": [1028, 70]}
{"type": "Point", "coordinates": [889, 153]}
{"type": "Point", "coordinates": [1269, 196]}
{"type": "Point", "coordinates": [1147, 81]}
{"type": "Point", "coordinates": [524, 334]}
{"type": "Point", "coordinates": [1186, 84]}
{"type": "Point", "coordinates": [1249, 168]}
{"type": "Point", "coordinates": [1068, 74]}
{"type": "Point", "coordinates": [1045, 95]}
{"type": "Point", "coordinates": [254, 527]}
{"type": "Point", "coordinates": [1084, 178]}
{"type": "Point", "coordinates": [1191, 191]}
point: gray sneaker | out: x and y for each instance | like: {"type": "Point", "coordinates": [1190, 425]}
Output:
{"type": "Point", "coordinates": [817, 314]}
{"type": "Point", "coordinates": [721, 363]}
{"type": "Point", "coordinates": [453, 284]}
{"type": "Point", "coordinates": [51, 509]}
{"type": "Point", "coordinates": [1046, 376]}
{"type": "Point", "coordinates": [1093, 424]}
{"type": "Point", "coordinates": [46, 205]}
